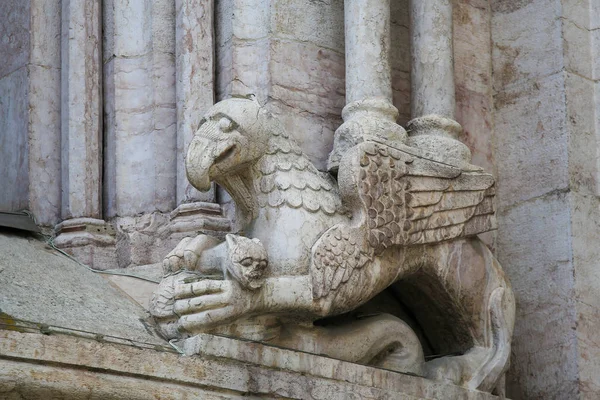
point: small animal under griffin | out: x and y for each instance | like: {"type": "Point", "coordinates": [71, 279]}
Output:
{"type": "Point", "coordinates": [380, 266]}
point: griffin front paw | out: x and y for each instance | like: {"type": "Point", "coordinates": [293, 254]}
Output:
{"type": "Point", "coordinates": [207, 303]}
{"type": "Point", "coordinates": [186, 254]}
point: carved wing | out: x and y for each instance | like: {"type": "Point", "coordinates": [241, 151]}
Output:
{"type": "Point", "coordinates": [439, 208]}
{"type": "Point", "coordinates": [397, 198]}
{"type": "Point", "coordinates": [405, 199]}
{"type": "Point", "coordinates": [335, 256]}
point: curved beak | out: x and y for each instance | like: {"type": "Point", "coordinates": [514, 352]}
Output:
{"type": "Point", "coordinates": [200, 158]}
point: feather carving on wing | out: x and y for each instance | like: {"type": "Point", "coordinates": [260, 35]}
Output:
{"type": "Point", "coordinates": [398, 199]}
{"type": "Point", "coordinates": [336, 255]}
{"type": "Point", "coordinates": [409, 200]}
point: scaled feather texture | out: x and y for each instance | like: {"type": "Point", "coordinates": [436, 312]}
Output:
{"type": "Point", "coordinates": [404, 200]}
{"type": "Point", "coordinates": [288, 178]}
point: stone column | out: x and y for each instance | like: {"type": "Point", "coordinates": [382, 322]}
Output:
{"type": "Point", "coordinates": [81, 128]}
{"type": "Point", "coordinates": [433, 128]}
{"type": "Point", "coordinates": [158, 83]}
{"type": "Point", "coordinates": [195, 72]}
{"type": "Point", "coordinates": [140, 115]}
{"type": "Point", "coordinates": [195, 86]}
{"type": "Point", "coordinates": [30, 108]}
{"type": "Point", "coordinates": [81, 108]}
{"type": "Point", "coordinates": [369, 110]}
{"type": "Point", "coordinates": [367, 31]}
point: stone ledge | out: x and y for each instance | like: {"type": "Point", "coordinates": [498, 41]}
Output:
{"type": "Point", "coordinates": [62, 365]}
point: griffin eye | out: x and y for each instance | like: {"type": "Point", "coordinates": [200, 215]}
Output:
{"type": "Point", "coordinates": [225, 125]}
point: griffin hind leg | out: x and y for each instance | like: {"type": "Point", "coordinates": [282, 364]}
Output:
{"type": "Point", "coordinates": [481, 368]}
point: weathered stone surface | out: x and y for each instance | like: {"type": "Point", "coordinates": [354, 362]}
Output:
{"type": "Point", "coordinates": [320, 23]}
{"type": "Point", "coordinates": [525, 47]}
{"type": "Point", "coordinates": [585, 228]}
{"type": "Point", "coordinates": [91, 241]}
{"type": "Point", "coordinates": [147, 238]}
{"type": "Point", "coordinates": [368, 70]}
{"type": "Point", "coordinates": [400, 58]}
{"type": "Point", "coordinates": [307, 94]}
{"type": "Point", "coordinates": [64, 293]}
{"type": "Point", "coordinates": [546, 128]}
{"type": "Point", "coordinates": [44, 107]}
{"type": "Point", "coordinates": [298, 73]}
{"type": "Point", "coordinates": [15, 44]}
{"type": "Point", "coordinates": [140, 107]}
{"type": "Point", "coordinates": [14, 95]}
{"type": "Point", "coordinates": [44, 145]}
{"type": "Point", "coordinates": [195, 85]}
{"type": "Point", "coordinates": [139, 290]}
{"type": "Point", "coordinates": [433, 128]}
{"type": "Point", "coordinates": [232, 370]}
{"type": "Point", "coordinates": [81, 109]}
{"type": "Point", "coordinates": [535, 151]}
{"type": "Point", "coordinates": [410, 214]}
{"type": "Point", "coordinates": [473, 77]}
{"type": "Point", "coordinates": [537, 130]}
{"type": "Point", "coordinates": [369, 112]}
{"type": "Point", "coordinates": [31, 112]}
{"type": "Point", "coordinates": [432, 74]}
{"type": "Point", "coordinates": [541, 270]}
{"type": "Point", "coordinates": [14, 170]}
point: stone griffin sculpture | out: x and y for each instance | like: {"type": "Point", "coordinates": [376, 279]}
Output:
{"type": "Point", "coordinates": [382, 267]}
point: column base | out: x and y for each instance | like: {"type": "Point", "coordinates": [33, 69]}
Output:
{"type": "Point", "coordinates": [369, 118]}
{"type": "Point", "coordinates": [140, 240]}
{"type": "Point", "coordinates": [148, 238]}
{"type": "Point", "coordinates": [91, 241]}
{"type": "Point", "coordinates": [437, 137]}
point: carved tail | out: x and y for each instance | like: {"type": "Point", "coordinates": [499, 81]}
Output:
{"type": "Point", "coordinates": [486, 378]}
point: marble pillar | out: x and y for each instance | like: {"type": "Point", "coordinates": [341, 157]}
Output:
{"type": "Point", "coordinates": [158, 69]}
{"type": "Point", "coordinates": [140, 107]}
{"type": "Point", "coordinates": [83, 232]}
{"type": "Point", "coordinates": [195, 73]}
{"type": "Point", "coordinates": [432, 55]}
{"type": "Point", "coordinates": [367, 35]}
{"type": "Point", "coordinates": [81, 109]}
{"type": "Point", "coordinates": [369, 110]}
{"type": "Point", "coordinates": [30, 108]}
{"type": "Point", "coordinates": [433, 128]}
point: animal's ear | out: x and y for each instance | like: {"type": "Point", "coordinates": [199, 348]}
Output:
{"type": "Point", "coordinates": [255, 240]}
{"type": "Point", "coordinates": [232, 240]}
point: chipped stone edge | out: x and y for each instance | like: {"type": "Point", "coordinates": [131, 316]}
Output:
{"type": "Point", "coordinates": [227, 366]}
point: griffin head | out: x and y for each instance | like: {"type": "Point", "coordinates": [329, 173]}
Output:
{"type": "Point", "coordinates": [233, 134]}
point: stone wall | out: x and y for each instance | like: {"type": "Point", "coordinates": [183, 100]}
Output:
{"type": "Point", "coordinates": [290, 55]}
{"type": "Point", "coordinates": [545, 60]}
